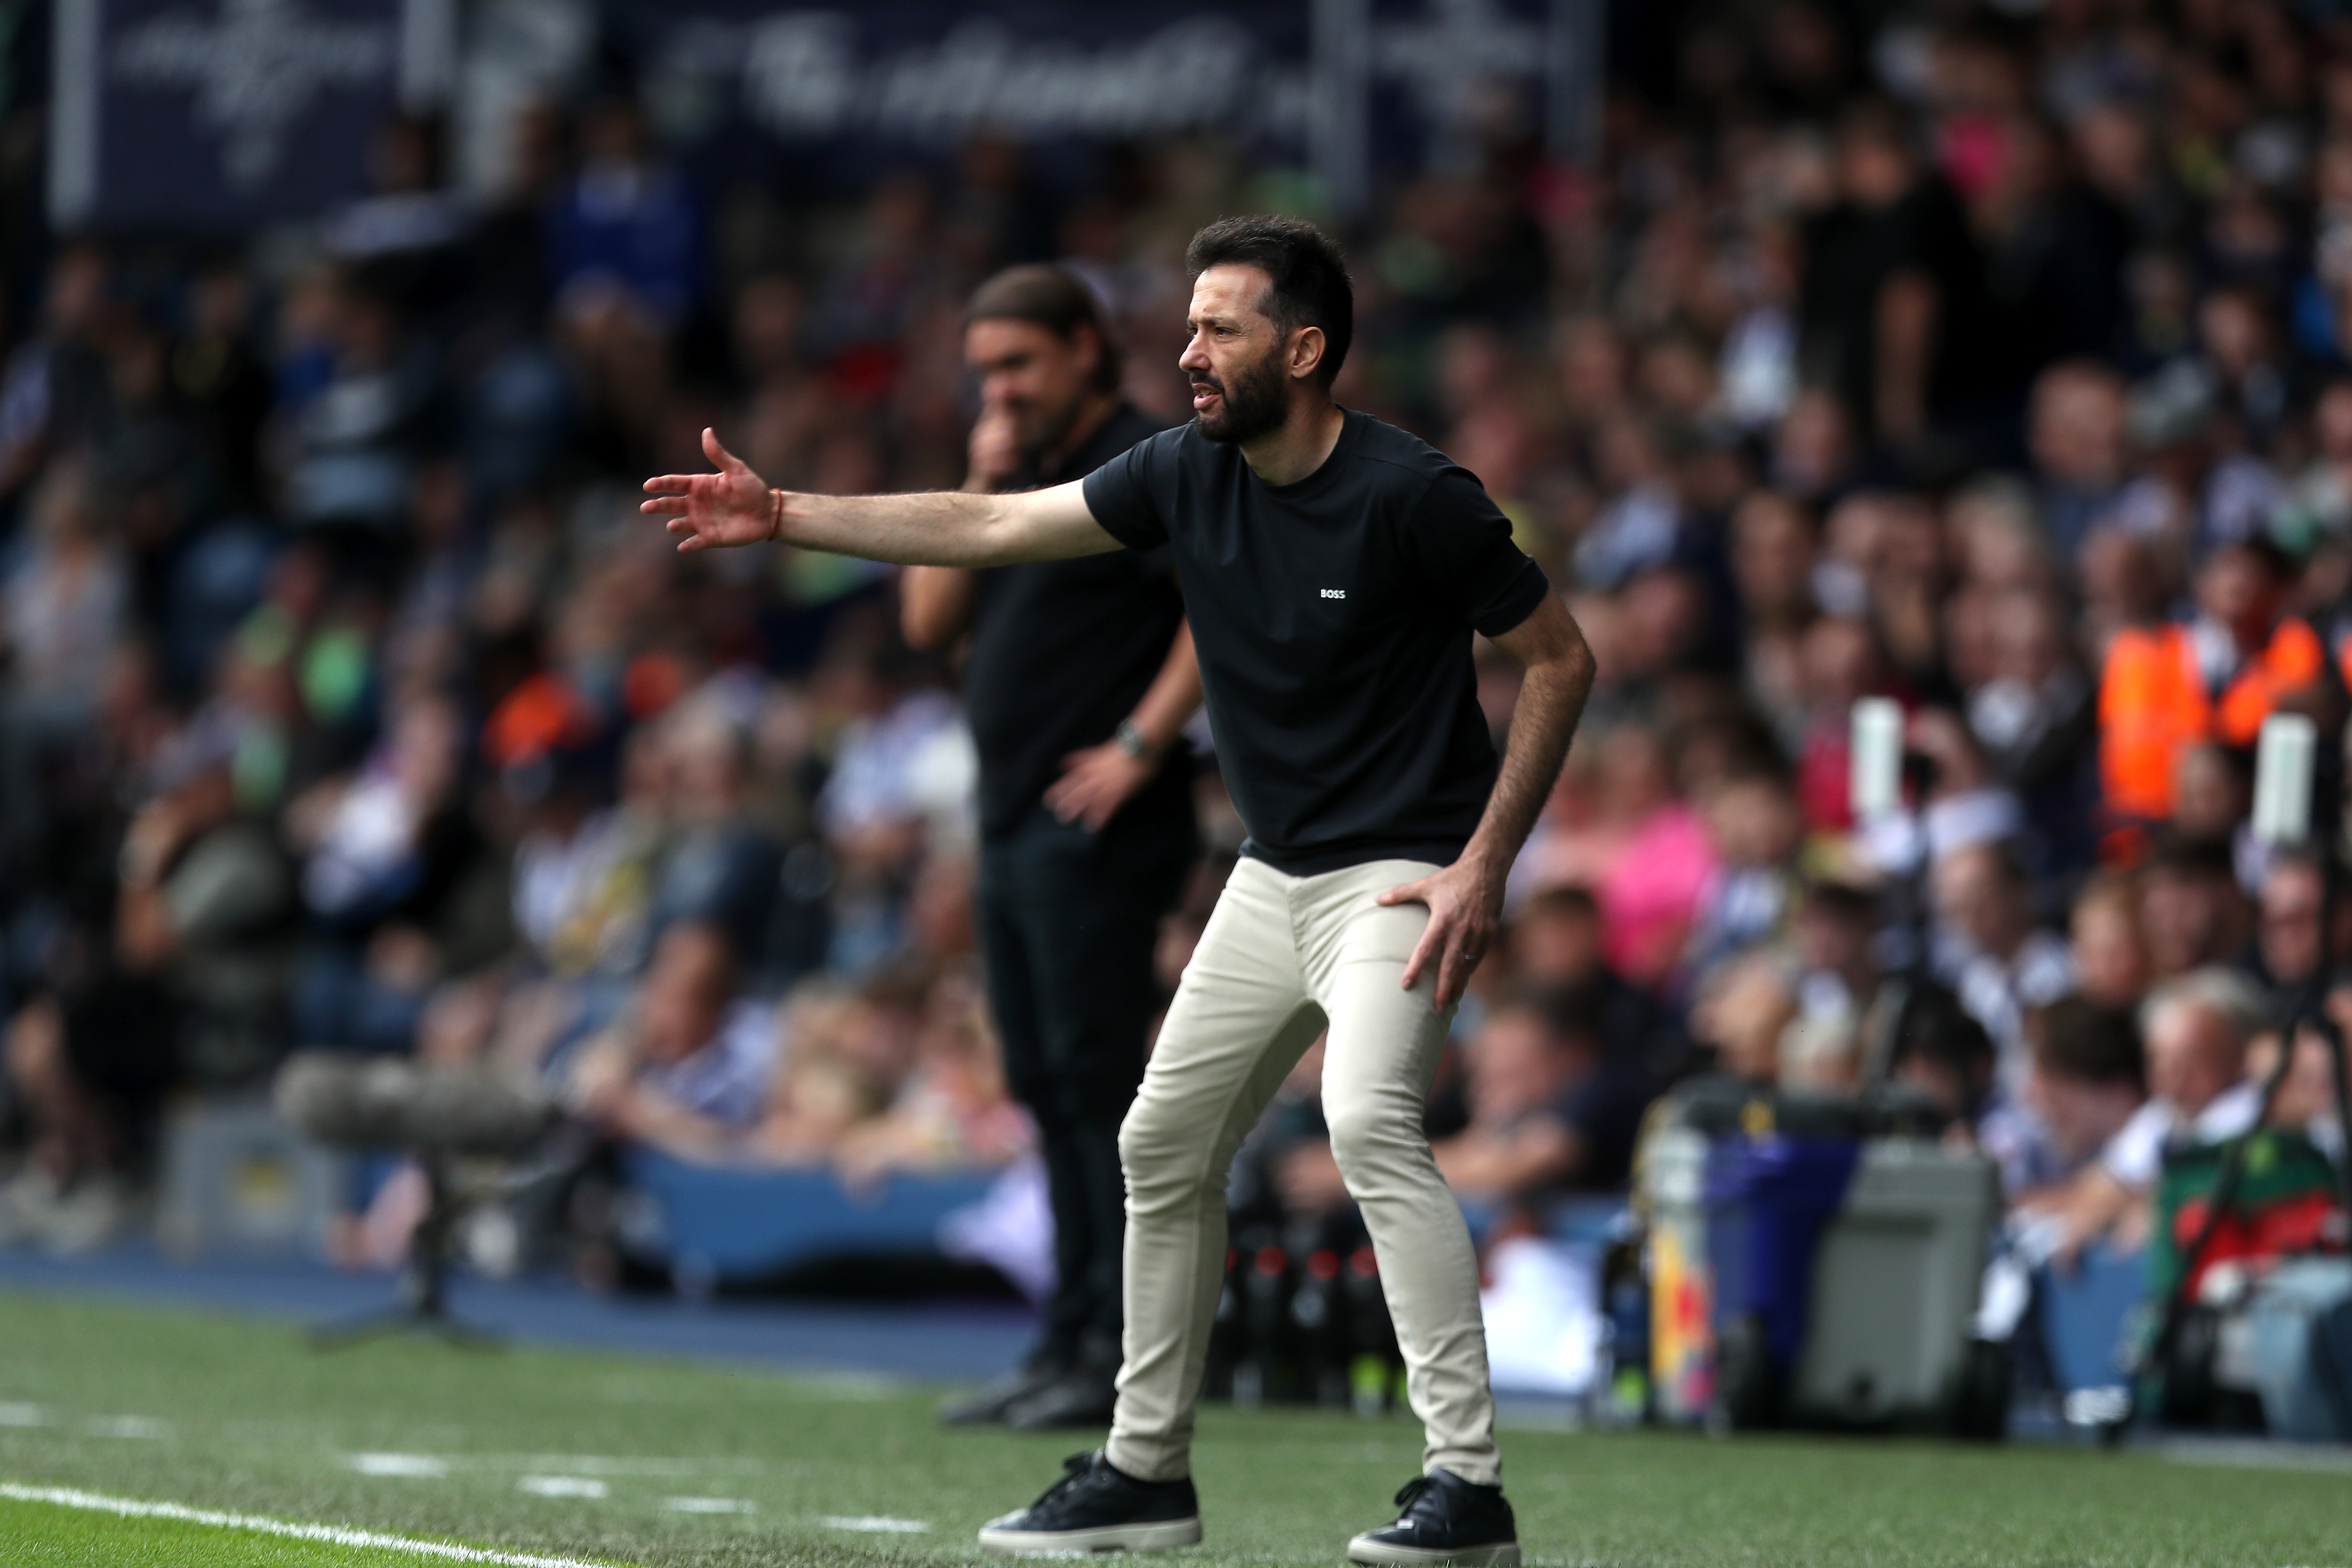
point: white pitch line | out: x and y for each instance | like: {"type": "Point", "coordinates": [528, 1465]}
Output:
{"type": "Point", "coordinates": [606, 1464]}
{"type": "Point", "coordinates": [880, 1523]}
{"type": "Point", "coordinates": [563, 1486]}
{"type": "Point", "coordinates": [419, 1467]}
{"type": "Point", "coordinates": [333, 1534]}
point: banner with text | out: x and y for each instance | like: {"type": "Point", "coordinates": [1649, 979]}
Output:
{"type": "Point", "coordinates": [221, 114]}
{"type": "Point", "coordinates": [218, 114]}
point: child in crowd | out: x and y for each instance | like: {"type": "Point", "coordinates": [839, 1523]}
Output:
{"type": "Point", "coordinates": [686, 1069]}
{"type": "Point", "coordinates": [2087, 1079]}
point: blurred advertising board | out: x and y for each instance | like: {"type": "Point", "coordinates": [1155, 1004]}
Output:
{"type": "Point", "coordinates": [1351, 88]}
{"type": "Point", "coordinates": [919, 71]}
{"type": "Point", "coordinates": [220, 114]}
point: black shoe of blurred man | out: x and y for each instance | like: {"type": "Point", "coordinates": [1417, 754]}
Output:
{"type": "Point", "coordinates": [1042, 1371]}
{"type": "Point", "coordinates": [1095, 1506]}
{"type": "Point", "coordinates": [1081, 1396]}
{"type": "Point", "coordinates": [1445, 1520]}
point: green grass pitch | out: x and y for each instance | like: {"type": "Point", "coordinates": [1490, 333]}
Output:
{"type": "Point", "coordinates": [657, 1463]}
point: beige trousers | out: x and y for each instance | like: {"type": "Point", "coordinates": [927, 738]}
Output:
{"type": "Point", "coordinates": [1283, 956]}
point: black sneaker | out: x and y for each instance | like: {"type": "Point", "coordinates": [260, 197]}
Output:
{"type": "Point", "coordinates": [1080, 1397]}
{"type": "Point", "coordinates": [1445, 1520]}
{"type": "Point", "coordinates": [988, 1405]}
{"type": "Point", "coordinates": [1084, 1395]}
{"type": "Point", "coordinates": [1095, 1506]}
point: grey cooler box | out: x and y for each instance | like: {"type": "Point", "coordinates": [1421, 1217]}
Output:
{"type": "Point", "coordinates": [1889, 1291]}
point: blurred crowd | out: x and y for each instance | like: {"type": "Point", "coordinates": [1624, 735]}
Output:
{"type": "Point", "coordinates": [1994, 359]}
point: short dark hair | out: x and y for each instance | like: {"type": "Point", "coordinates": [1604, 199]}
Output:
{"type": "Point", "coordinates": [1839, 901]}
{"type": "Point", "coordinates": [2264, 550]}
{"type": "Point", "coordinates": [1052, 298]}
{"type": "Point", "coordinates": [1937, 1029]}
{"type": "Point", "coordinates": [1570, 1014]}
{"type": "Point", "coordinates": [1877, 120]}
{"type": "Point", "coordinates": [1563, 899]}
{"type": "Point", "coordinates": [2008, 865]}
{"type": "Point", "coordinates": [2305, 855]}
{"type": "Point", "coordinates": [2081, 1041]}
{"type": "Point", "coordinates": [2196, 859]}
{"type": "Point", "coordinates": [1310, 282]}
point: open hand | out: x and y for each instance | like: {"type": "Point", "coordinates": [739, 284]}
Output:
{"type": "Point", "coordinates": [1465, 909]}
{"type": "Point", "coordinates": [733, 506]}
{"type": "Point", "coordinates": [1097, 782]}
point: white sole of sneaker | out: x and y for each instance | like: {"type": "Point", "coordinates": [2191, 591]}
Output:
{"type": "Point", "coordinates": [1162, 1535]}
{"type": "Point", "coordinates": [1502, 1554]}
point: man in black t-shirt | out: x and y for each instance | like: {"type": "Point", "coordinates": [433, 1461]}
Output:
{"type": "Point", "coordinates": [1334, 569]}
{"type": "Point", "coordinates": [1079, 681]}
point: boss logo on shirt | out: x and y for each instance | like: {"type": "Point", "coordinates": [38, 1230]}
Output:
{"type": "Point", "coordinates": [1335, 592]}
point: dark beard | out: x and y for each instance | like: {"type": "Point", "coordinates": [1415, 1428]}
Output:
{"type": "Point", "coordinates": [1254, 403]}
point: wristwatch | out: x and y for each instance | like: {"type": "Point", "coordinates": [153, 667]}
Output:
{"type": "Point", "coordinates": [1132, 739]}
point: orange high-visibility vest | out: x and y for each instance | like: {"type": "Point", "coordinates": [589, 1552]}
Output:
{"type": "Point", "coordinates": [2154, 705]}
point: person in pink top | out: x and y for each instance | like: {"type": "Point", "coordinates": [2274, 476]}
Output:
{"type": "Point", "coordinates": [1618, 829]}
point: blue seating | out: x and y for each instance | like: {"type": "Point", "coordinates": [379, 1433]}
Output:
{"type": "Point", "coordinates": [2086, 1313]}
{"type": "Point", "coordinates": [719, 1224]}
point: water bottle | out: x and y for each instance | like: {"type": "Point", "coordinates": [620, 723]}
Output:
{"type": "Point", "coordinates": [1372, 1364]}
{"type": "Point", "coordinates": [1624, 1386]}
{"type": "Point", "coordinates": [1225, 1334]}
{"type": "Point", "coordinates": [1318, 1321]}
{"type": "Point", "coordinates": [1264, 1370]}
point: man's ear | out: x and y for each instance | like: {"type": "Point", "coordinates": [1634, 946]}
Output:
{"type": "Point", "coordinates": [1307, 351]}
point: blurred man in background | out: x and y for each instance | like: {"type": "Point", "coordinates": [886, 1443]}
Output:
{"type": "Point", "coordinates": [1079, 681]}
{"type": "Point", "coordinates": [2293, 895]}
{"type": "Point", "coordinates": [1550, 1111]}
{"type": "Point", "coordinates": [2198, 1029]}
{"type": "Point", "coordinates": [688, 1070]}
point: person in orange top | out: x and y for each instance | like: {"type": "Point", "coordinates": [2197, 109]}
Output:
{"type": "Point", "coordinates": [2215, 677]}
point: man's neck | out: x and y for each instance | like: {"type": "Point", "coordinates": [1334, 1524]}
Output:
{"type": "Point", "coordinates": [1299, 446]}
{"type": "Point", "coordinates": [1095, 407]}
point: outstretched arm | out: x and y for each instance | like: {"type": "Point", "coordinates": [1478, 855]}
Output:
{"type": "Point", "coordinates": [947, 527]}
{"type": "Point", "coordinates": [1466, 899]}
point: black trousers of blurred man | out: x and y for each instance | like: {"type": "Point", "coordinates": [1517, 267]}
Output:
{"type": "Point", "coordinates": [1061, 654]}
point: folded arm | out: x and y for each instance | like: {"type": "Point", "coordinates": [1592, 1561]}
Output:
{"type": "Point", "coordinates": [947, 528]}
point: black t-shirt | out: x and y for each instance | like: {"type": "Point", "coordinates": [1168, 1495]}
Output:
{"type": "Point", "coordinates": [1333, 617]}
{"type": "Point", "coordinates": [1063, 650]}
